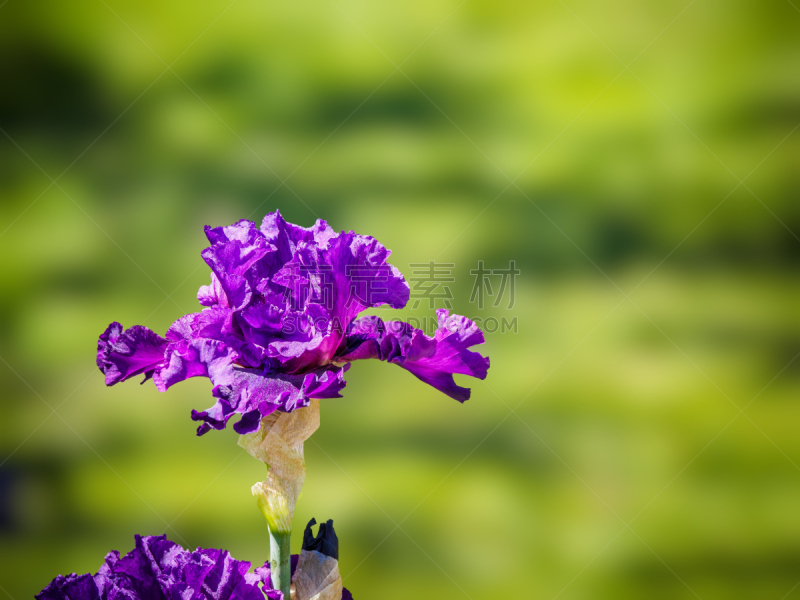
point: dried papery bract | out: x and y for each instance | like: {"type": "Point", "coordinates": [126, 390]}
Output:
{"type": "Point", "coordinates": [317, 577]}
{"type": "Point", "coordinates": [279, 444]}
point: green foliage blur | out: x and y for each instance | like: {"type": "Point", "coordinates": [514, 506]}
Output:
{"type": "Point", "coordinates": [636, 437]}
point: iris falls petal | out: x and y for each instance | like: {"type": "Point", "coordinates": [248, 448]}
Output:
{"type": "Point", "coordinates": [433, 360]}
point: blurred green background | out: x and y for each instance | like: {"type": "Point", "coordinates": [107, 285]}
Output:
{"type": "Point", "coordinates": [637, 436]}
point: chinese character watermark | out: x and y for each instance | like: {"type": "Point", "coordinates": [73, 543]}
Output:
{"type": "Point", "coordinates": [483, 286]}
{"type": "Point", "coordinates": [428, 278]}
{"type": "Point", "coordinates": [368, 285]}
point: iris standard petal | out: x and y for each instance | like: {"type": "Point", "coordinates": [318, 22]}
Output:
{"type": "Point", "coordinates": [344, 277]}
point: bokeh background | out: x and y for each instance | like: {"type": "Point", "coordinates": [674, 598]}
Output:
{"type": "Point", "coordinates": [637, 435]}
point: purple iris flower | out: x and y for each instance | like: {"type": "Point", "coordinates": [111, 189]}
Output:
{"type": "Point", "coordinates": [280, 325]}
{"type": "Point", "coordinates": [158, 569]}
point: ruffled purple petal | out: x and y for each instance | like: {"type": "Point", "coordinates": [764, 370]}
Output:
{"type": "Point", "coordinates": [286, 236]}
{"type": "Point", "coordinates": [254, 394]}
{"type": "Point", "coordinates": [158, 569]}
{"type": "Point", "coordinates": [308, 339]}
{"type": "Point", "coordinates": [347, 275]}
{"type": "Point", "coordinates": [125, 354]}
{"type": "Point", "coordinates": [71, 587]}
{"type": "Point", "coordinates": [433, 360]}
{"type": "Point", "coordinates": [202, 343]}
{"type": "Point", "coordinates": [326, 385]}
{"type": "Point", "coordinates": [234, 250]}
{"type": "Point", "coordinates": [212, 295]}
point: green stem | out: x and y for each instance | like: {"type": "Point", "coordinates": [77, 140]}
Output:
{"type": "Point", "coordinates": [280, 561]}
